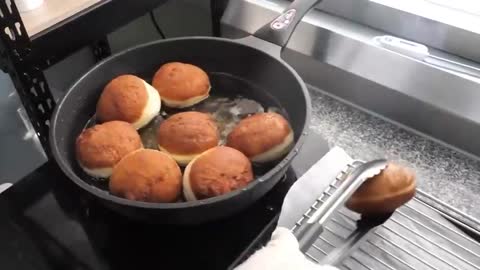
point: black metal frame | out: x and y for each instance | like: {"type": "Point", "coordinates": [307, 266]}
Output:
{"type": "Point", "coordinates": [29, 80]}
{"type": "Point", "coordinates": [24, 58]}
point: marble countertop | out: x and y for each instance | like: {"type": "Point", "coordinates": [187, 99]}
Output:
{"type": "Point", "coordinates": [448, 174]}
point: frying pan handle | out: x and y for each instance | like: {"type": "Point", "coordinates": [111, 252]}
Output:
{"type": "Point", "coordinates": [281, 28]}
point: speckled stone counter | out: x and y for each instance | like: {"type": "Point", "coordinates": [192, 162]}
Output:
{"type": "Point", "coordinates": [449, 175]}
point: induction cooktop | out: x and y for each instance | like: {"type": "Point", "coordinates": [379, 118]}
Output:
{"type": "Point", "coordinates": [46, 222]}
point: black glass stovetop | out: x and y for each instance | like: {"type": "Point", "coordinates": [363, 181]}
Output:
{"type": "Point", "coordinates": [46, 222]}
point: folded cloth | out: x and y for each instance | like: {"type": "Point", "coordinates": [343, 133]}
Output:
{"type": "Point", "coordinates": [281, 253]}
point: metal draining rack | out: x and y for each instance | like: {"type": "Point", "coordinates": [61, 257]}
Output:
{"type": "Point", "coordinates": [423, 234]}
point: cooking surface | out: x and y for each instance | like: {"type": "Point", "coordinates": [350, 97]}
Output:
{"type": "Point", "coordinates": [48, 223]}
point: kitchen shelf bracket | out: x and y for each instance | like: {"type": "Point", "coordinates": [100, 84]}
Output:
{"type": "Point", "coordinates": [29, 81]}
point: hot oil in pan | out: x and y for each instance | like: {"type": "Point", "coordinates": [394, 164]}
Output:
{"type": "Point", "coordinates": [231, 99]}
{"type": "Point", "coordinates": [227, 112]}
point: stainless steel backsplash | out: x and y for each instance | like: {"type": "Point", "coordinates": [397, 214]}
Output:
{"type": "Point", "coordinates": [338, 56]}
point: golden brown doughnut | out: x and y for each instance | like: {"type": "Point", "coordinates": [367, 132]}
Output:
{"type": "Point", "coordinates": [262, 137]}
{"type": "Point", "coordinates": [128, 98]}
{"type": "Point", "coordinates": [102, 146]}
{"type": "Point", "coordinates": [385, 192]}
{"type": "Point", "coordinates": [186, 135]}
{"type": "Point", "coordinates": [215, 172]}
{"type": "Point", "coordinates": [147, 175]}
{"type": "Point", "coordinates": [181, 85]}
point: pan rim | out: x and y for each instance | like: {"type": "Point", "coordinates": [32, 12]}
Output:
{"type": "Point", "coordinates": [105, 195]}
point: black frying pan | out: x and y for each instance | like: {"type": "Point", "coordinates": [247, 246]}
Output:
{"type": "Point", "coordinates": [252, 64]}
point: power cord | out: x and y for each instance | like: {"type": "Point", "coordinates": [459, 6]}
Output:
{"type": "Point", "coordinates": [155, 24]}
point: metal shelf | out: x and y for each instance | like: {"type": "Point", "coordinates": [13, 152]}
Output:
{"type": "Point", "coordinates": [52, 12]}
{"type": "Point", "coordinates": [84, 27]}
{"type": "Point", "coordinates": [35, 40]}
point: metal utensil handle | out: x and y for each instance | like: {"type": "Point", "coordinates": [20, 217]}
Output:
{"type": "Point", "coordinates": [282, 27]}
{"type": "Point", "coordinates": [309, 232]}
